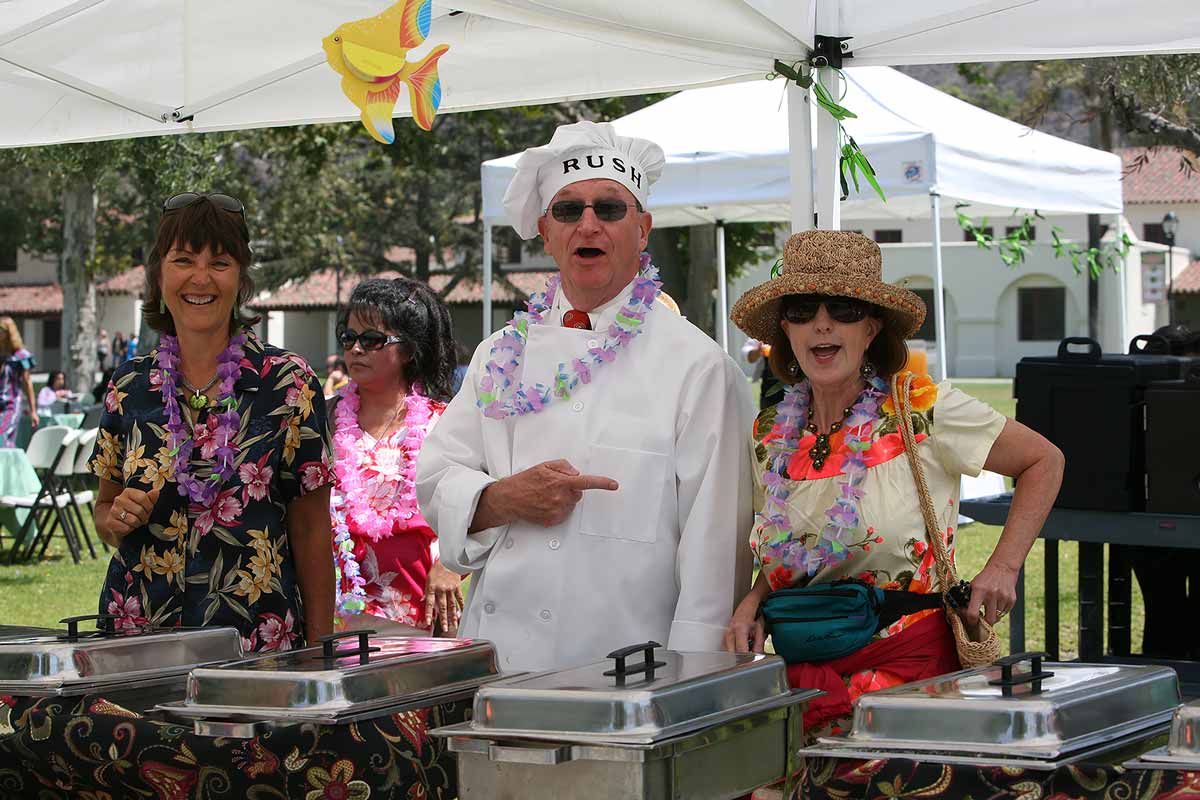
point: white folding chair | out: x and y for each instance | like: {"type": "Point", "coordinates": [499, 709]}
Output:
{"type": "Point", "coordinates": [77, 485]}
{"type": "Point", "coordinates": [51, 451]}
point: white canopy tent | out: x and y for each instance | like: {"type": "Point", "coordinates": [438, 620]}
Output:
{"type": "Point", "coordinates": [728, 161]}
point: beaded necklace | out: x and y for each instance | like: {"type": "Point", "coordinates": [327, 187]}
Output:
{"type": "Point", "coordinates": [499, 399]}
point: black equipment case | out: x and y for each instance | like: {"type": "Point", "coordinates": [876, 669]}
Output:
{"type": "Point", "coordinates": [1173, 444]}
{"type": "Point", "coordinates": [1090, 404]}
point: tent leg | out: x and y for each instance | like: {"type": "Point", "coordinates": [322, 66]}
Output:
{"type": "Point", "coordinates": [1123, 283]}
{"type": "Point", "coordinates": [939, 305]}
{"type": "Point", "coordinates": [722, 288]}
{"type": "Point", "coordinates": [828, 187]}
{"type": "Point", "coordinates": [800, 161]}
{"type": "Point", "coordinates": [487, 279]}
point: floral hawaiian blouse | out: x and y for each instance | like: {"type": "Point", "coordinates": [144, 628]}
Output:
{"type": "Point", "coordinates": [954, 433]}
{"type": "Point", "coordinates": [231, 564]}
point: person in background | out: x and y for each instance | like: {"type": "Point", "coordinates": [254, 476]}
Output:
{"type": "Point", "coordinates": [55, 389]}
{"type": "Point", "coordinates": [118, 349]}
{"type": "Point", "coordinates": [770, 390]}
{"type": "Point", "coordinates": [16, 382]}
{"type": "Point", "coordinates": [102, 348]}
{"type": "Point", "coordinates": [336, 375]}
{"type": "Point", "coordinates": [213, 453]}
{"type": "Point", "coordinates": [101, 388]}
{"type": "Point", "coordinates": [397, 340]}
{"type": "Point", "coordinates": [131, 347]}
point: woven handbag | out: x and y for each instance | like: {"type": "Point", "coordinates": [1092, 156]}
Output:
{"type": "Point", "coordinates": [978, 645]}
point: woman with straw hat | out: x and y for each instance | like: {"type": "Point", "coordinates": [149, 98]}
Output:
{"type": "Point", "coordinates": [840, 497]}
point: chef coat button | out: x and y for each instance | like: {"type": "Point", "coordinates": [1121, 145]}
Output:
{"type": "Point", "coordinates": [577, 405]}
{"type": "Point", "coordinates": [593, 343]}
{"type": "Point", "coordinates": [508, 544]}
{"type": "Point", "coordinates": [546, 614]}
{"type": "Point", "coordinates": [554, 544]}
{"type": "Point", "coordinates": [489, 608]}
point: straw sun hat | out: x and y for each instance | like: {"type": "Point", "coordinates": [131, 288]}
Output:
{"type": "Point", "coordinates": [836, 263]}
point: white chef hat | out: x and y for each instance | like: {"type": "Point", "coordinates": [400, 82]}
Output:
{"type": "Point", "coordinates": [579, 152]}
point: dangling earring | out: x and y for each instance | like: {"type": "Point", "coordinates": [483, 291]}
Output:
{"type": "Point", "coordinates": [867, 370]}
{"type": "Point", "coordinates": [793, 368]}
{"type": "Point", "coordinates": [162, 306]}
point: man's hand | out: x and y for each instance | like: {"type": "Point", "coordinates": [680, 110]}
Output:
{"type": "Point", "coordinates": [443, 597]}
{"type": "Point", "coordinates": [544, 494]}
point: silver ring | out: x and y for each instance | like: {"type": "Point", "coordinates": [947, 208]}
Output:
{"type": "Point", "coordinates": [124, 514]}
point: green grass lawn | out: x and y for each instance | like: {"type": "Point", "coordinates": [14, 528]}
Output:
{"type": "Point", "coordinates": [43, 593]}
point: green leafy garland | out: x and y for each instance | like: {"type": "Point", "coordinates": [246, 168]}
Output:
{"type": "Point", "coordinates": [852, 159]}
{"type": "Point", "coordinates": [1014, 246]}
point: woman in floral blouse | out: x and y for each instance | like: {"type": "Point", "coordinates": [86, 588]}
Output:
{"type": "Point", "coordinates": [838, 497]}
{"type": "Point", "coordinates": [214, 455]}
{"type": "Point", "coordinates": [398, 346]}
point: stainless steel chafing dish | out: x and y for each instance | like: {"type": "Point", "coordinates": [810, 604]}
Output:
{"type": "Point", "coordinates": [334, 684]}
{"type": "Point", "coordinates": [1182, 750]}
{"type": "Point", "coordinates": [8, 632]}
{"type": "Point", "coordinates": [679, 725]}
{"type": "Point", "coordinates": [133, 668]}
{"type": "Point", "coordinates": [1051, 715]}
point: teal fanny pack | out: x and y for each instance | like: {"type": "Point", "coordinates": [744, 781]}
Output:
{"type": "Point", "coordinates": [831, 620]}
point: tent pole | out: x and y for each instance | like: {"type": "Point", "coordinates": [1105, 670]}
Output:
{"type": "Point", "coordinates": [722, 288]}
{"type": "Point", "coordinates": [800, 160]}
{"type": "Point", "coordinates": [939, 305]}
{"type": "Point", "coordinates": [487, 279]}
{"type": "Point", "coordinates": [1123, 327]}
{"type": "Point", "coordinates": [828, 188]}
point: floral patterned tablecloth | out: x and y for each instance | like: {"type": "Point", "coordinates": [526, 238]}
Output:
{"type": "Point", "coordinates": [91, 749]}
{"type": "Point", "coordinates": [850, 779]}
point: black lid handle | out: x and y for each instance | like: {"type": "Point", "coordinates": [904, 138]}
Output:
{"type": "Point", "coordinates": [1008, 680]}
{"type": "Point", "coordinates": [329, 650]}
{"type": "Point", "coordinates": [647, 666]}
{"type": "Point", "coordinates": [108, 625]}
{"type": "Point", "coordinates": [1092, 353]}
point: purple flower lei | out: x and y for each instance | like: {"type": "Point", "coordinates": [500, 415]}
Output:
{"type": "Point", "coordinates": [775, 529]}
{"type": "Point", "coordinates": [180, 442]}
{"type": "Point", "coordinates": [497, 397]}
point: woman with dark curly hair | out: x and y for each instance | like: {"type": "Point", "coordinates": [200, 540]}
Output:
{"type": "Point", "coordinates": [399, 349]}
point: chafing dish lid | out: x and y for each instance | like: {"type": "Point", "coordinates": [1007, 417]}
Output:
{"type": "Point", "coordinates": [329, 679]}
{"type": "Point", "coordinates": [8, 632]}
{"type": "Point", "coordinates": [61, 659]}
{"type": "Point", "coordinates": [1051, 709]}
{"type": "Point", "coordinates": [666, 693]}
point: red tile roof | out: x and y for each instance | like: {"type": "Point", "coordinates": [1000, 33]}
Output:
{"type": "Point", "coordinates": [131, 281]}
{"type": "Point", "coordinates": [1188, 281]}
{"type": "Point", "coordinates": [317, 291]}
{"type": "Point", "coordinates": [38, 299]}
{"type": "Point", "coordinates": [1152, 175]}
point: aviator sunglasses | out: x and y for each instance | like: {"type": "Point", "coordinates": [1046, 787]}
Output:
{"type": "Point", "coordinates": [370, 340]}
{"type": "Point", "coordinates": [225, 202]}
{"type": "Point", "coordinates": [799, 309]}
{"type": "Point", "coordinates": [606, 210]}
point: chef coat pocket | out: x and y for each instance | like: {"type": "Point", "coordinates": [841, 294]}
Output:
{"type": "Point", "coordinates": [631, 512]}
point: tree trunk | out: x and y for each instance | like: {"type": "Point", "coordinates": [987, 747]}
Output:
{"type": "Point", "coordinates": [663, 248]}
{"type": "Point", "coordinates": [80, 360]}
{"type": "Point", "coordinates": [702, 276]}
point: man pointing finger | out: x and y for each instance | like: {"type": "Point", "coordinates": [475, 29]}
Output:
{"type": "Point", "coordinates": [594, 471]}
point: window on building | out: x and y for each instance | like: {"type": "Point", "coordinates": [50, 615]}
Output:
{"type": "Point", "coordinates": [8, 256]}
{"type": "Point", "coordinates": [889, 236]}
{"type": "Point", "coordinates": [969, 236]}
{"type": "Point", "coordinates": [928, 329]}
{"type": "Point", "coordinates": [1153, 232]}
{"type": "Point", "coordinates": [1009, 230]}
{"type": "Point", "coordinates": [508, 246]}
{"type": "Point", "coordinates": [52, 333]}
{"type": "Point", "coordinates": [1041, 313]}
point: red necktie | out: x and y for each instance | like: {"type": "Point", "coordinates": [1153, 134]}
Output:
{"type": "Point", "coordinates": [577, 319]}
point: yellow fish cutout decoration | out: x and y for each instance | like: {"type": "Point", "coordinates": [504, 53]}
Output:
{"type": "Point", "coordinates": [370, 53]}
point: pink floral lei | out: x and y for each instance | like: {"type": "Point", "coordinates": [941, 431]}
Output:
{"type": "Point", "coordinates": [354, 505]}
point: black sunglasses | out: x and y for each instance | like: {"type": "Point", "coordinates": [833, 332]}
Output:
{"type": "Point", "coordinates": [370, 340]}
{"type": "Point", "coordinates": [799, 309]}
{"type": "Point", "coordinates": [606, 210]}
{"type": "Point", "coordinates": [224, 202]}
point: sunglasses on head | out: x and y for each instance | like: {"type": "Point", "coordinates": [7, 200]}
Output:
{"type": "Point", "coordinates": [224, 202]}
{"type": "Point", "coordinates": [606, 210]}
{"type": "Point", "coordinates": [370, 340]}
{"type": "Point", "coordinates": [799, 309]}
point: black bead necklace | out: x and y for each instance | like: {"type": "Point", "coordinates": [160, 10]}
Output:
{"type": "Point", "coordinates": [820, 451]}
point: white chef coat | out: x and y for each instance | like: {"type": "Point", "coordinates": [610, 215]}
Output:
{"type": "Point", "coordinates": [663, 557]}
